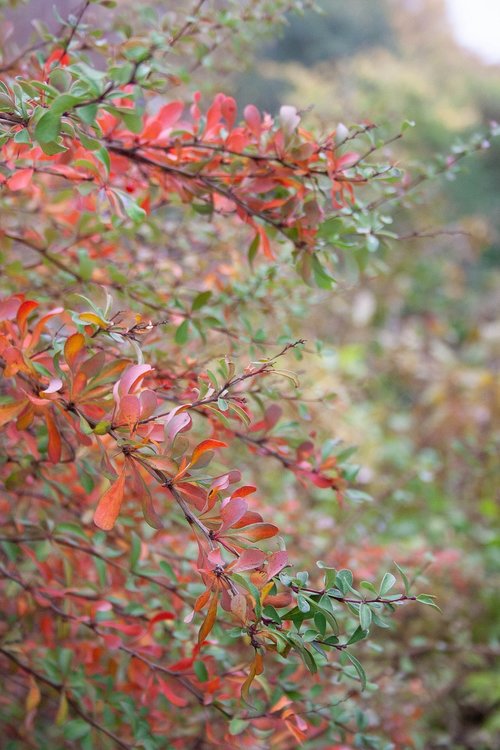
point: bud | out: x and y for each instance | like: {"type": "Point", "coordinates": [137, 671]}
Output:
{"type": "Point", "coordinates": [102, 428]}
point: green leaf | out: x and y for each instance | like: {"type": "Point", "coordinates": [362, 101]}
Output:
{"type": "Point", "coordinates": [365, 617]}
{"type": "Point", "coordinates": [240, 412]}
{"type": "Point", "coordinates": [303, 604]}
{"type": "Point", "coordinates": [182, 333]}
{"type": "Point", "coordinates": [429, 600]}
{"type": "Point", "coordinates": [22, 136]}
{"type": "Point", "coordinates": [200, 671]}
{"type": "Point", "coordinates": [320, 622]}
{"type": "Point", "coordinates": [201, 300]}
{"type": "Point", "coordinates": [168, 570]}
{"type": "Point", "coordinates": [71, 528]}
{"type": "Point", "coordinates": [103, 156]}
{"type": "Point", "coordinates": [63, 103]}
{"type": "Point", "coordinates": [344, 580]}
{"type": "Point", "coordinates": [48, 127]}
{"type": "Point", "coordinates": [53, 148]}
{"type": "Point", "coordinates": [406, 583]}
{"type": "Point", "coordinates": [88, 114]}
{"type": "Point", "coordinates": [388, 582]}
{"type": "Point", "coordinates": [359, 669]}
{"type": "Point", "coordinates": [237, 726]}
{"type": "Point", "coordinates": [136, 549]}
{"type": "Point", "coordinates": [76, 729]}
{"type": "Point", "coordinates": [252, 250]}
{"type": "Point", "coordinates": [132, 120]}
{"type": "Point", "coordinates": [358, 635]}
{"type": "Point", "coordinates": [330, 578]}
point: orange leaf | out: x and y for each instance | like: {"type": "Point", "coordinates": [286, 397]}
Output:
{"type": "Point", "coordinates": [73, 345]}
{"type": "Point", "coordinates": [203, 447]}
{"type": "Point", "coordinates": [209, 620]}
{"type": "Point", "coordinates": [54, 447]}
{"type": "Point", "coordinates": [258, 531]}
{"type": "Point", "coordinates": [9, 411]}
{"type": "Point", "coordinates": [109, 505]}
{"type": "Point", "coordinates": [23, 314]}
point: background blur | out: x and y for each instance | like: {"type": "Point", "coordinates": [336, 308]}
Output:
{"type": "Point", "coordinates": [413, 351]}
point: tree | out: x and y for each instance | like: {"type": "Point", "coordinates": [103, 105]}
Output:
{"type": "Point", "coordinates": [177, 240]}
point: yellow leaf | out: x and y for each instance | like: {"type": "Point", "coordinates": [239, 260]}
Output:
{"type": "Point", "coordinates": [89, 317]}
{"type": "Point", "coordinates": [256, 668]}
{"type": "Point", "coordinates": [34, 696]}
{"type": "Point", "coordinates": [265, 591]}
{"type": "Point", "coordinates": [62, 711]}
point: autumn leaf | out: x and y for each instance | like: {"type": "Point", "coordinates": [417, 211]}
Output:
{"type": "Point", "coordinates": [256, 669]}
{"type": "Point", "coordinates": [209, 620]}
{"type": "Point", "coordinates": [74, 344]}
{"type": "Point", "coordinates": [20, 180]}
{"type": "Point", "coordinates": [10, 411]}
{"type": "Point", "coordinates": [54, 447]}
{"type": "Point", "coordinates": [109, 505]}
{"type": "Point", "coordinates": [203, 447]}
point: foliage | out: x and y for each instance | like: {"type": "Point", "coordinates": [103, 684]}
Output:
{"type": "Point", "coordinates": [182, 244]}
{"type": "Point", "coordinates": [413, 356]}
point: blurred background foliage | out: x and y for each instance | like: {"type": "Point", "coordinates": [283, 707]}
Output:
{"type": "Point", "coordinates": [402, 357]}
{"type": "Point", "coordinates": [412, 351]}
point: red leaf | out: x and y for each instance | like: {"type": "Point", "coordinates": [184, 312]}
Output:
{"type": "Point", "coordinates": [20, 179]}
{"type": "Point", "coordinates": [247, 489]}
{"type": "Point", "coordinates": [249, 558]}
{"type": "Point", "coordinates": [170, 114]}
{"type": "Point", "coordinates": [160, 617]}
{"type": "Point", "coordinates": [109, 505]}
{"type": "Point", "coordinates": [229, 111]}
{"type": "Point", "coordinates": [203, 447]}
{"type": "Point", "coordinates": [130, 410]}
{"type": "Point", "coordinates": [182, 665]}
{"type": "Point", "coordinates": [171, 694]}
{"type": "Point", "coordinates": [231, 513]}
{"type": "Point", "coordinates": [276, 563]}
{"type": "Point", "coordinates": [252, 119]}
{"type": "Point", "coordinates": [141, 490]}
{"type": "Point", "coordinates": [258, 531]}
{"type": "Point", "coordinates": [132, 378]}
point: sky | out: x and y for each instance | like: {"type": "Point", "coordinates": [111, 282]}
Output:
{"type": "Point", "coordinates": [477, 26]}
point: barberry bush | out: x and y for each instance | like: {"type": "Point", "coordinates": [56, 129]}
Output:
{"type": "Point", "coordinates": [158, 251]}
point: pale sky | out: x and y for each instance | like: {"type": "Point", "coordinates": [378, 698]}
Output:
{"type": "Point", "coordinates": [477, 26]}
